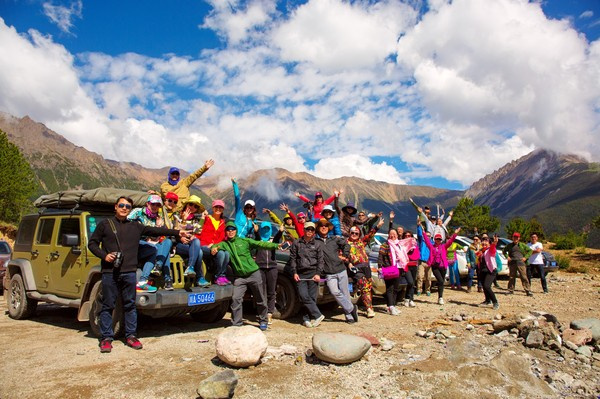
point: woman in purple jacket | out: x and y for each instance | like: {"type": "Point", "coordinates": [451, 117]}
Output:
{"type": "Point", "coordinates": [438, 260]}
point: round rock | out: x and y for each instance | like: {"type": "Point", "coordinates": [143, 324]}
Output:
{"type": "Point", "coordinates": [339, 348]}
{"type": "Point", "coordinates": [241, 346]}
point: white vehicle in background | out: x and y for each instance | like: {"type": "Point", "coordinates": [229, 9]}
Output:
{"type": "Point", "coordinates": [461, 256]}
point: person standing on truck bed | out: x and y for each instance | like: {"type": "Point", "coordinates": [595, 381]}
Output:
{"type": "Point", "coordinates": [116, 241]}
{"type": "Point", "coordinates": [182, 187]}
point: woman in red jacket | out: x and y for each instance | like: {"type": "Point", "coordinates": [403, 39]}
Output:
{"type": "Point", "coordinates": [213, 232]}
{"type": "Point", "coordinates": [317, 204]}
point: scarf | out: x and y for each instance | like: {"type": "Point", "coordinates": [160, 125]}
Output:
{"type": "Point", "coordinates": [150, 214]}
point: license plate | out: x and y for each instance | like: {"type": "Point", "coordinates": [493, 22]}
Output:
{"type": "Point", "coordinates": [201, 298]}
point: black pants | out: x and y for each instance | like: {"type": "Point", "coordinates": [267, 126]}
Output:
{"type": "Point", "coordinates": [540, 270]}
{"type": "Point", "coordinates": [309, 291]}
{"type": "Point", "coordinates": [410, 277]}
{"type": "Point", "coordinates": [269, 278]}
{"type": "Point", "coordinates": [488, 278]}
{"type": "Point", "coordinates": [391, 290]}
{"type": "Point", "coordinates": [440, 275]}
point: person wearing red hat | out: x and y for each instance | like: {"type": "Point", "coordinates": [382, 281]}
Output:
{"type": "Point", "coordinates": [317, 204]}
{"type": "Point", "coordinates": [517, 254]}
{"type": "Point", "coordinates": [438, 260]}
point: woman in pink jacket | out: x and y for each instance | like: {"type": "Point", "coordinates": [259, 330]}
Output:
{"type": "Point", "coordinates": [488, 269]}
{"type": "Point", "coordinates": [438, 260]}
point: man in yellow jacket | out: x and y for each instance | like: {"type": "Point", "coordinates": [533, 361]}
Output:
{"type": "Point", "coordinates": [182, 187]}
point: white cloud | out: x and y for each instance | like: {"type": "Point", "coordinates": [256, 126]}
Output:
{"type": "Point", "coordinates": [63, 16]}
{"type": "Point", "coordinates": [587, 14]}
{"type": "Point", "coordinates": [334, 35]}
{"type": "Point", "coordinates": [359, 166]}
{"type": "Point", "coordinates": [236, 21]}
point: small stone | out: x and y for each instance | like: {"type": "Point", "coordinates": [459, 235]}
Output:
{"type": "Point", "coordinates": [446, 333]}
{"type": "Point", "coordinates": [571, 345]}
{"type": "Point", "coordinates": [457, 318]}
{"type": "Point", "coordinates": [421, 333]}
{"type": "Point", "coordinates": [409, 346]}
{"type": "Point", "coordinates": [578, 337]}
{"type": "Point", "coordinates": [288, 349]}
{"type": "Point", "coordinates": [469, 327]}
{"type": "Point", "coordinates": [218, 386]}
{"type": "Point", "coordinates": [535, 339]}
{"type": "Point", "coordinates": [584, 350]}
{"type": "Point", "coordinates": [498, 317]}
{"type": "Point", "coordinates": [386, 344]}
{"type": "Point", "coordinates": [502, 334]}
{"type": "Point", "coordinates": [187, 359]}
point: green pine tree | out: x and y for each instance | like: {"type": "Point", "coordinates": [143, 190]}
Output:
{"type": "Point", "coordinates": [17, 181]}
{"type": "Point", "coordinates": [473, 218]}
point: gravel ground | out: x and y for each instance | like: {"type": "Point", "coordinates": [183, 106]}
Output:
{"type": "Point", "coordinates": [54, 356]}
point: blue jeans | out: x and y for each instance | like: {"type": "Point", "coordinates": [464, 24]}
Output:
{"type": "Point", "coordinates": [470, 276]}
{"type": "Point", "coordinates": [454, 274]}
{"type": "Point", "coordinates": [338, 286]}
{"type": "Point", "coordinates": [220, 260]}
{"type": "Point", "coordinates": [193, 254]}
{"type": "Point", "coordinates": [158, 254]}
{"type": "Point", "coordinates": [114, 284]}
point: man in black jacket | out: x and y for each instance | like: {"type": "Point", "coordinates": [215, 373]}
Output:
{"type": "Point", "coordinates": [119, 260]}
{"type": "Point", "coordinates": [334, 268]}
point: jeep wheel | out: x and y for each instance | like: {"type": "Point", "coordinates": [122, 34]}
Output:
{"type": "Point", "coordinates": [19, 306]}
{"type": "Point", "coordinates": [212, 315]}
{"type": "Point", "coordinates": [288, 301]}
{"type": "Point", "coordinates": [118, 318]}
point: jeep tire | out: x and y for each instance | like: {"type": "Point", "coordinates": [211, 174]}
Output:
{"type": "Point", "coordinates": [19, 305]}
{"type": "Point", "coordinates": [118, 318]}
{"type": "Point", "coordinates": [212, 315]}
{"type": "Point", "coordinates": [288, 300]}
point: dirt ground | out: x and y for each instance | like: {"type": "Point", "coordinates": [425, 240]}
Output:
{"type": "Point", "coordinates": [54, 356]}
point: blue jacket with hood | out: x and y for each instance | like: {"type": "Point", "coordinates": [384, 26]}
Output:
{"type": "Point", "coordinates": [245, 227]}
{"type": "Point", "coordinates": [423, 248]}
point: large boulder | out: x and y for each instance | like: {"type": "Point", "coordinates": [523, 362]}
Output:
{"type": "Point", "coordinates": [591, 323]}
{"type": "Point", "coordinates": [218, 386]}
{"type": "Point", "coordinates": [241, 346]}
{"type": "Point", "coordinates": [339, 348]}
{"type": "Point", "coordinates": [578, 337]}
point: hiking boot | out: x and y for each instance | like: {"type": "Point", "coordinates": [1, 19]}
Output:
{"type": "Point", "coordinates": [222, 281]}
{"type": "Point", "coordinates": [318, 321]}
{"type": "Point", "coordinates": [263, 326]}
{"type": "Point", "coordinates": [370, 313]}
{"type": "Point", "coordinates": [202, 282]}
{"type": "Point", "coordinates": [269, 318]}
{"type": "Point", "coordinates": [393, 311]}
{"type": "Point", "coordinates": [143, 286]}
{"type": "Point", "coordinates": [105, 346]}
{"type": "Point", "coordinates": [189, 271]}
{"type": "Point", "coordinates": [133, 342]}
{"type": "Point", "coordinates": [156, 270]}
{"type": "Point", "coordinates": [168, 285]}
{"type": "Point", "coordinates": [441, 301]}
{"type": "Point", "coordinates": [354, 313]}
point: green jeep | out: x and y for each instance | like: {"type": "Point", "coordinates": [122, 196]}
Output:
{"type": "Point", "coordinates": [51, 263]}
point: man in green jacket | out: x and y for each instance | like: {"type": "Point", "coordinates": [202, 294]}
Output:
{"type": "Point", "coordinates": [517, 254]}
{"type": "Point", "coordinates": [246, 271]}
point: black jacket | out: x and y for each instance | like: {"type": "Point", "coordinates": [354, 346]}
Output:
{"type": "Point", "coordinates": [265, 258]}
{"type": "Point", "coordinates": [332, 246]}
{"type": "Point", "coordinates": [103, 241]}
{"type": "Point", "coordinates": [306, 258]}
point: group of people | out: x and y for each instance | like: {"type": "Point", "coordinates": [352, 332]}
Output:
{"type": "Point", "coordinates": [326, 243]}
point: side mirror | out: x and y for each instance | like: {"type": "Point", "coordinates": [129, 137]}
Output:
{"type": "Point", "coordinates": [70, 240]}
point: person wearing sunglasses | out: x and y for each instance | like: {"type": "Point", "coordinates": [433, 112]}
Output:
{"type": "Point", "coordinates": [306, 265]}
{"type": "Point", "coordinates": [438, 260]}
{"type": "Point", "coordinates": [181, 187]}
{"type": "Point", "coordinates": [118, 238]}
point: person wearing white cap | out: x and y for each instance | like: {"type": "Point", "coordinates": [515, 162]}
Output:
{"type": "Point", "coordinates": [244, 217]}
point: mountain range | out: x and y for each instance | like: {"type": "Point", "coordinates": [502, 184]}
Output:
{"type": "Point", "coordinates": [561, 191]}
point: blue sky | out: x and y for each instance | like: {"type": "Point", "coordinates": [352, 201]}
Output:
{"type": "Point", "coordinates": [436, 93]}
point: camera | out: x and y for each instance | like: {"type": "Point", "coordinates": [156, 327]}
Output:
{"type": "Point", "coordinates": [118, 260]}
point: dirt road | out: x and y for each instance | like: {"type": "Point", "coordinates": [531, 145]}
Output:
{"type": "Point", "coordinates": [53, 356]}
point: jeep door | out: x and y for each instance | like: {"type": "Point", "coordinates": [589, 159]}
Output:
{"type": "Point", "coordinates": [40, 254]}
{"type": "Point", "coordinates": [67, 263]}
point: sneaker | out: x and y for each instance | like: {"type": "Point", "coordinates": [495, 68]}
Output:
{"type": "Point", "coordinates": [441, 301]}
{"type": "Point", "coordinates": [496, 285]}
{"type": "Point", "coordinates": [452, 287]}
{"type": "Point", "coordinates": [418, 293]}
{"type": "Point", "coordinates": [411, 304]}
{"type": "Point", "coordinates": [354, 313]}
{"type": "Point", "coordinates": [545, 291]}
{"type": "Point", "coordinates": [496, 306]}
{"type": "Point", "coordinates": [307, 324]}
{"type": "Point", "coordinates": [485, 303]}
{"type": "Point", "coordinates": [168, 285]}
{"type": "Point", "coordinates": [222, 281]}
{"type": "Point", "coordinates": [189, 271]}
{"type": "Point", "coordinates": [529, 293]}
{"type": "Point", "coordinates": [269, 318]}
{"type": "Point", "coordinates": [318, 321]}
{"type": "Point", "coordinates": [428, 293]}
{"type": "Point", "coordinates": [263, 326]}
{"type": "Point", "coordinates": [105, 346]}
{"type": "Point", "coordinates": [370, 313]}
{"type": "Point", "coordinates": [202, 282]}
{"type": "Point", "coordinates": [143, 286]}
{"type": "Point", "coordinates": [459, 287]}
{"type": "Point", "coordinates": [133, 342]}
{"type": "Point", "coordinates": [479, 289]}
{"type": "Point", "coordinates": [468, 289]}
{"type": "Point", "coordinates": [407, 302]}
{"type": "Point", "coordinates": [393, 311]}
{"type": "Point", "coordinates": [156, 270]}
